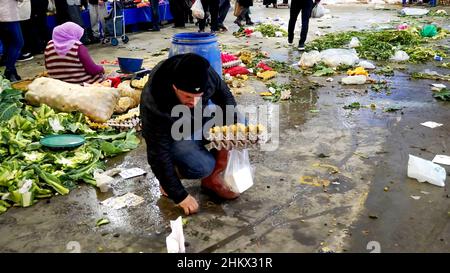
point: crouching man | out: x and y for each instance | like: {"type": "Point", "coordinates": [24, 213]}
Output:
{"type": "Point", "coordinates": [185, 79]}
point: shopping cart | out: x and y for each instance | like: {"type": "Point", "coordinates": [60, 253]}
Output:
{"type": "Point", "coordinates": [115, 24]}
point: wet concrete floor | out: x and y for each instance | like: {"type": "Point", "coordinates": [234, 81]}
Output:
{"type": "Point", "coordinates": [278, 214]}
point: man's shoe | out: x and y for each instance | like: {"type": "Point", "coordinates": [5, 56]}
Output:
{"type": "Point", "coordinates": [301, 47]}
{"type": "Point", "coordinates": [249, 23]}
{"type": "Point", "coordinates": [215, 182]}
{"type": "Point", "coordinates": [238, 23]}
{"type": "Point", "coordinates": [25, 57]}
{"type": "Point", "coordinates": [290, 41]}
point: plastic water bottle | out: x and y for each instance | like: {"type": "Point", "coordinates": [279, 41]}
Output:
{"type": "Point", "coordinates": [438, 58]}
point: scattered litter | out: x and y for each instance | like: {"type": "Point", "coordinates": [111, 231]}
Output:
{"type": "Point", "coordinates": [127, 200]}
{"type": "Point", "coordinates": [350, 80]}
{"type": "Point", "coordinates": [104, 179]}
{"type": "Point", "coordinates": [424, 192]}
{"type": "Point", "coordinates": [400, 56]}
{"type": "Point", "coordinates": [367, 65]}
{"type": "Point", "coordinates": [373, 216]}
{"type": "Point", "coordinates": [335, 57]}
{"type": "Point", "coordinates": [175, 240]}
{"type": "Point", "coordinates": [358, 71]}
{"type": "Point", "coordinates": [386, 189]}
{"type": "Point", "coordinates": [438, 86]}
{"type": "Point", "coordinates": [354, 43]}
{"type": "Point", "coordinates": [332, 169]}
{"type": "Point", "coordinates": [415, 197]}
{"type": "Point", "coordinates": [442, 159]}
{"type": "Point", "coordinates": [361, 155]}
{"type": "Point", "coordinates": [335, 183]}
{"type": "Point", "coordinates": [414, 12]}
{"type": "Point", "coordinates": [429, 31]}
{"type": "Point", "coordinates": [314, 181]}
{"type": "Point", "coordinates": [425, 170]}
{"type": "Point", "coordinates": [431, 124]}
{"type": "Point", "coordinates": [101, 222]}
{"type": "Point", "coordinates": [329, 79]}
{"type": "Point", "coordinates": [133, 172]}
{"type": "Point", "coordinates": [309, 59]}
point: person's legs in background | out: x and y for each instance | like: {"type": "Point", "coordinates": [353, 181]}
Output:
{"type": "Point", "coordinates": [248, 20]}
{"type": "Point", "coordinates": [94, 17]}
{"type": "Point", "coordinates": [307, 7]}
{"type": "Point", "coordinates": [28, 38]}
{"type": "Point", "coordinates": [224, 7]}
{"type": "Point", "coordinates": [39, 19]}
{"type": "Point", "coordinates": [11, 36]}
{"type": "Point", "coordinates": [214, 12]}
{"type": "Point", "coordinates": [242, 16]}
{"type": "Point", "coordinates": [202, 22]}
{"type": "Point", "coordinates": [155, 15]}
{"type": "Point", "coordinates": [294, 12]}
{"type": "Point", "coordinates": [75, 16]}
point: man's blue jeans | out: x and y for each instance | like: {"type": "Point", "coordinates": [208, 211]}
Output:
{"type": "Point", "coordinates": [11, 36]}
{"type": "Point", "coordinates": [192, 159]}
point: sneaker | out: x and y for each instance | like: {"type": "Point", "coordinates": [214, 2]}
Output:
{"type": "Point", "coordinates": [301, 47]}
{"type": "Point", "coordinates": [25, 57]}
{"type": "Point", "coordinates": [290, 41]}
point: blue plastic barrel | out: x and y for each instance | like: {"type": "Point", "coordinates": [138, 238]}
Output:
{"type": "Point", "coordinates": [203, 44]}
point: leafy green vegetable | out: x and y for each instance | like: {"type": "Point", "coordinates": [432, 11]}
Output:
{"type": "Point", "coordinates": [29, 171]}
{"type": "Point", "coordinates": [324, 71]}
{"type": "Point", "coordinates": [443, 94]}
{"type": "Point", "coordinates": [101, 222]}
{"type": "Point", "coordinates": [354, 105]}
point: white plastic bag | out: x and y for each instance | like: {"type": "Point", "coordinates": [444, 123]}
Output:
{"type": "Point", "coordinates": [400, 56]}
{"type": "Point", "coordinates": [425, 170]}
{"type": "Point", "coordinates": [318, 11]}
{"type": "Point", "coordinates": [238, 174]}
{"type": "Point", "coordinates": [309, 59]}
{"type": "Point", "coordinates": [354, 42]}
{"type": "Point", "coordinates": [414, 11]}
{"type": "Point", "coordinates": [358, 79]}
{"type": "Point", "coordinates": [197, 10]}
{"type": "Point", "coordinates": [175, 240]}
{"type": "Point", "coordinates": [336, 56]}
{"type": "Point", "coordinates": [366, 65]}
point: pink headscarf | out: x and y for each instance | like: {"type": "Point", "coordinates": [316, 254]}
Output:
{"type": "Point", "coordinates": [65, 36]}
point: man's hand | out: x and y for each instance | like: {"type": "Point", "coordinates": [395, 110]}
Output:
{"type": "Point", "coordinates": [189, 205]}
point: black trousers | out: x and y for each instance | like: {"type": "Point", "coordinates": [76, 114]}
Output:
{"type": "Point", "coordinates": [305, 6]}
{"type": "Point", "coordinates": [213, 7]}
{"type": "Point", "coordinates": [35, 32]}
{"type": "Point", "coordinates": [177, 10]}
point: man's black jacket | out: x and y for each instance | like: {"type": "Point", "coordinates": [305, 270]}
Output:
{"type": "Point", "coordinates": [157, 101]}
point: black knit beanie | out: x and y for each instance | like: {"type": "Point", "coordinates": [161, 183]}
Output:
{"type": "Point", "coordinates": [191, 73]}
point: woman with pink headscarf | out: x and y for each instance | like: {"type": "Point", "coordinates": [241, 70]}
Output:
{"type": "Point", "coordinates": [67, 59]}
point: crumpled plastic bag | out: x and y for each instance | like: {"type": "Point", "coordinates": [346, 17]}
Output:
{"type": "Point", "coordinates": [318, 11]}
{"type": "Point", "coordinates": [175, 240]}
{"type": "Point", "coordinates": [336, 56]}
{"type": "Point", "coordinates": [429, 31]}
{"type": "Point", "coordinates": [354, 42]}
{"type": "Point", "coordinates": [309, 59]}
{"type": "Point", "coordinates": [359, 79]}
{"type": "Point", "coordinates": [366, 65]}
{"type": "Point", "coordinates": [414, 11]}
{"type": "Point", "coordinates": [426, 171]}
{"type": "Point", "coordinates": [400, 56]}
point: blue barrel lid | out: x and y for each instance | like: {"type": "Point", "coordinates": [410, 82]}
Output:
{"type": "Point", "coordinates": [194, 38]}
